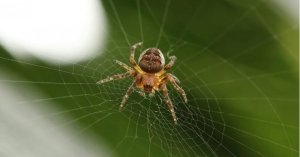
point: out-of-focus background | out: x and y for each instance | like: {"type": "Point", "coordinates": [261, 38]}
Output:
{"type": "Point", "coordinates": [236, 60]}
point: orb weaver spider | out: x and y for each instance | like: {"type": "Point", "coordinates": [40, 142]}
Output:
{"type": "Point", "coordinates": [149, 75]}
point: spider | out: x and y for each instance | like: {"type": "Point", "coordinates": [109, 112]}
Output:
{"type": "Point", "coordinates": [149, 75]}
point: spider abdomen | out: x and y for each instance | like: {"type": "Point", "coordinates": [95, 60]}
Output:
{"type": "Point", "coordinates": [152, 60]}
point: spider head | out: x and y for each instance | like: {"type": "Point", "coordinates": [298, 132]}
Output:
{"type": "Point", "coordinates": [152, 60]}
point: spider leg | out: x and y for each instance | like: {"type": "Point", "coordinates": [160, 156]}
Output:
{"type": "Point", "coordinates": [116, 77]}
{"type": "Point", "coordinates": [132, 61]}
{"type": "Point", "coordinates": [152, 93]}
{"type": "Point", "coordinates": [173, 79]}
{"type": "Point", "coordinates": [168, 66]}
{"type": "Point", "coordinates": [142, 92]}
{"type": "Point", "coordinates": [124, 65]}
{"type": "Point", "coordinates": [129, 91]}
{"type": "Point", "coordinates": [163, 87]}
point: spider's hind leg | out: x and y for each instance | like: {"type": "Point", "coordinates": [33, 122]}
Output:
{"type": "Point", "coordinates": [168, 66]}
{"type": "Point", "coordinates": [124, 65]}
{"type": "Point", "coordinates": [132, 61]}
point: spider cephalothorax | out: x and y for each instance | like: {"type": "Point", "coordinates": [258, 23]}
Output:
{"type": "Point", "coordinates": [149, 75]}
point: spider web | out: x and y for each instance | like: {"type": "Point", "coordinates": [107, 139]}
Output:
{"type": "Point", "coordinates": [237, 62]}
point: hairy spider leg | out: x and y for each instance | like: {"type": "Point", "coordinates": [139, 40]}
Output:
{"type": "Point", "coordinates": [163, 87]}
{"type": "Point", "coordinates": [132, 61]}
{"type": "Point", "coordinates": [142, 92]}
{"type": "Point", "coordinates": [168, 66]}
{"type": "Point", "coordinates": [152, 93]}
{"type": "Point", "coordinates": [173, 80]}
{"type": "Point", "coordinates": [124, 65]}
{"type": "Point", "coordinates": [116, 77]}
{"type": "Point", "coordinates": [129, 91]}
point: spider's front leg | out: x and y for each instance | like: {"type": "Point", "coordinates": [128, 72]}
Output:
{"type": "Point", "coordinates": [163, 87]}
{"type": "Point", "coordinates": [137, 80]}
{"type": "Point", "coordinates": [129, 91]}
{"type": "Point", "coordinates": [173, 80]}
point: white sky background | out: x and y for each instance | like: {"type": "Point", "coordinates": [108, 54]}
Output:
{"type": "Point", "coordinates": [52, 30]}
{"type": "Point", "coordinates": [55, 31]}
{"type": "Point", "coordinates": [290, 8]}
{"type": "Point", "coordinates": [67, 31]}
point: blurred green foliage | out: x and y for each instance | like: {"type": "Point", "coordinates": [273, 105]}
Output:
{"type": "Point", "coordinates": [237, 61]}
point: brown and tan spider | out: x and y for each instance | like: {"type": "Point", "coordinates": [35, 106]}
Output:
{"type": "Point", "coordinates": [148, 75]}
